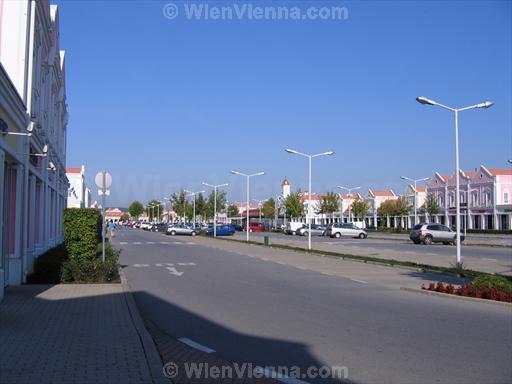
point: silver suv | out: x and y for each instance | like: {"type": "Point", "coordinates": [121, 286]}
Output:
{"type": "Point", "coordinates": [433, 233]}
{"type": "Point", "coordinates": [338, 230]}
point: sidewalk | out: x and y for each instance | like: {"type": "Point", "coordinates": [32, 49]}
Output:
{"type": "Point", "coordinates": [73, 333]}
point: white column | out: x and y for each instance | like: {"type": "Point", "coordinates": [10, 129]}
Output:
{"type": "Point", "coordinates": [15, 260]}
{"type": "Point", "coordinates": [31, 223]}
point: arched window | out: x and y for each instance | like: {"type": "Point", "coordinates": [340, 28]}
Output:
{"type": "Point", "coordinates": [487, 198]}
{"type": "Point", "coordinates": [474, 198]}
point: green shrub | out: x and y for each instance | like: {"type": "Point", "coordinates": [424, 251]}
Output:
{"type": "Point", "coordinates": [91, 271]}
{"type": "Point", "coordinates": [489, 281]}
{"type": "Point", "coordinates": [48, 266]}
{"type": "Point", "coordinates": [82, 232]}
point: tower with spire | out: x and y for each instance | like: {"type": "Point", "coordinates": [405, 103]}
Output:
{"type": "Point", "coordinates": [285, 188]}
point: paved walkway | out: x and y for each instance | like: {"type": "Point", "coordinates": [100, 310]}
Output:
{"type": "Point", "coordinates": [71, 334]}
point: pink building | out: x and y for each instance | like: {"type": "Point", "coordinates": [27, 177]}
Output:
{"type": "Point", "coordinates": [485, 198]}
{"type": "Point", "coordinates": [33, 120]}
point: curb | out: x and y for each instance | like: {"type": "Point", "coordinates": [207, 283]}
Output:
{"type": "Point", "coordinates": [456, 297]}
{"type": "Point", "coordinates": [152, 357]}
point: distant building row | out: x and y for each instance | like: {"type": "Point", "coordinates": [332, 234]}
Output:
{"type": "Point", "coordinates": [485, 197]}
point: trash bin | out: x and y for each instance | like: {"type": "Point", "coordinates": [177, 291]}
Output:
{"type": "Point", "coordinates": [266, 240]}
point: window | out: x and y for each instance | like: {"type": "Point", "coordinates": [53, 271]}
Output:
{"type": "Point", "coordinates": [505, 197]}
{"type": "Point", "coordinates": [487, 198]}
{"type": "Point", "coordinates": [452, 199]}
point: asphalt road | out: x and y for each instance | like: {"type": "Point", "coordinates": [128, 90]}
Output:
{"type": "Point", "coordinates": [484, 258]}
{"type": "Point", "coordinates": [254, 310]}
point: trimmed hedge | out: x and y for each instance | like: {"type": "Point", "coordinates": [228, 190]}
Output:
{"type": "Point", "coordinates": [82, 232]}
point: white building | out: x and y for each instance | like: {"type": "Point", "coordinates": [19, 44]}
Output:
{"type": "Point", "coordinates": [33, 118]}
{"type": "Point", "coordinates": [79, 196]}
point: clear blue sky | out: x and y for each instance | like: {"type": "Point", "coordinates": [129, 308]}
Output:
{"type": "Point", "coordinates": [164, 104]}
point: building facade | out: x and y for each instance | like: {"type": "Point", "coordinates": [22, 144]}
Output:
{"type": "Point", "coordinates": [33, 183]}
{"type": "Point", "coordinates": [79, 196]}
{"type": "Point", "coordinates": [485, 198]}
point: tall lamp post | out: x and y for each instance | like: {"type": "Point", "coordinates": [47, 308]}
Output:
{"type": "Point", "coordinates": [194, 209]}
{"type": "Point", "coordinates": [350, 194]}
{"type": "Point", "coordinates": [487, 104]}
{"type": "Point", "coordinates": [247, 206]}
{"type": "Point", "coordinates": [415, 181]}
{"type": "Point", "coordinates": [310, 157]}
{"type": "Point", "coordinates": [215, 187]}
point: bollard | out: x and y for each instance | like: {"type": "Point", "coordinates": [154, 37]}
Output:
{"type": "Point", "coordinates": [266, 240]}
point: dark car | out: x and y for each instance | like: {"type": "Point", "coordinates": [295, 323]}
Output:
{"type": "Point", "coordinates": [222, 230]}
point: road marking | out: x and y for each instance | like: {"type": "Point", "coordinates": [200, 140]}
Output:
{"type": "Point", "coordinates": [169, 264]}
{"type": "Point", "coordinates": [164, 242]}
{"type": "Point", "coordinates": [140, 265]}
{"type": "Point", "coordinates": [190, 243]}
{"type": "Point", "coordinates": [159, 265]}
{"type": "Point", "coordinates": [173, 271]}
{"type": "Point", "coordinates": [359, 281]}
{"type": "Point", "coordinates": [277, 376]}
{"type": "Point", "coordinates": [123, 242]}
{"type": "Point", "coordinates": [150, 242]}
{"type": "Point", "coordinates": [299, 267]}
{"type": "Point", "coordinates": [327, 273]}
{"type": "Point", "coordinates": [177, 242]}
{"type": "Point", "coordinates": [136, 243]}
{"type": "Point", "coordinates": [186, 263]}
{"type": "Point", "coordinates": [485, 258]}
{"type": "Point", "coordinates": [193, 344]}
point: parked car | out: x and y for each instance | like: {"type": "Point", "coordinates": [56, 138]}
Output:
{"type": "Point", "coordinates": [256, 227]}
{"type": "Point", "coordinates": [316, 230]}
{"type": "Point", "coordinates": [433, 233]}
{"type": "Point", "coordinates": [222, 230]}
{"type": "Point", "coordinates": [347, 230]}
{"type": "Point", "coordinates": [292, 226]}
{"type": "Point", "coordinates": [158, 227]}
{"type": "Point", "coordinates": [180, 229]}
{"type": "Point", "coordinates": [145, 225]}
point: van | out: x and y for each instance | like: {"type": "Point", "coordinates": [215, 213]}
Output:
{"type": "Point", "coordinates": [292, 227]}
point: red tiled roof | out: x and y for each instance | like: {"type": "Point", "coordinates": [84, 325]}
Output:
{"type": "Point", "coordinates": [313, 197]}
{"type": "Point", "coordinates": [498, 171]}
{"type": "Point", "coordinates": [350, 196]}
{"type": "Point", "coordinates": [383, 193]}
{"type": "Point", "coordinates": [469, 174]}
{"type": "Point", "coordinates": [73, 170]}
{"type": "Point", "coordinates": [421, 188]}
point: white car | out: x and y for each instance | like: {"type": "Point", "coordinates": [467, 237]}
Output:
{"type": "Point", "coordinates": [292, 227]}
{"type": "Point", "coordinates": [145, 225]}
{"type": "Point", "coordinates": [347, 230]}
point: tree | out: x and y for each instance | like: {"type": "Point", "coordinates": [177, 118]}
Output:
{"type": "Point", "coordinates": [269, 208]}
{"type": "Point", "coordinates": [154, 209]}
{"type": "Point", "coordinates": [294, 205]}
{"type": "Point", "coordinates": [432, 206]}
{"type": "Point", "coordinates": [329, 204]}
{"type": "Point", "coordinates": [360, 208]}
{"type": "Point", "coordinates": [402, 206]}
{"type": "Point", "coordinates": [125, 217]}
{"type": "Point", "coordinates": [233, 210]}
{"type": "Point", "coordinates": [200, 205]}
{"type": "Point", "coordinates": [221, 203]}
{"type": "Point", "coordinates": [386, 209]}
{"type": "Point", "coordinates": [179, 204]}
{"type": "Point", "coordinates": [135, 209]}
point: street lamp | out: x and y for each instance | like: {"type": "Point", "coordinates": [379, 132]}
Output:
{"type": "Point", "coordinates": [415, 194]}
{"type": "Point", "coordinates": [247, 208]}
{"type": "Point", "coordinates": [310, 157]}
{"type": "Point", "coordinates": [194, 210]}
{"type": "Point", "coordinates": [485, 105]}
{"type": "Point", "coordinates": [350, 194]}
{"type": "Point", "coordinates": [215, 204]}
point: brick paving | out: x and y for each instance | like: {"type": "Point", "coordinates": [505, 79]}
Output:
{"type": "Point", "coordinates": [69, 334]}
{"type": "Point", "coordinates": [177, 354]}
